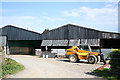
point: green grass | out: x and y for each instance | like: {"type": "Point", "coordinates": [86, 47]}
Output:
{"type": "Point", "coordinates": [41, 56]}
{"type": "Point", "coordinates": [105, 73]}
{"type": "Point", "coordinates": [116, 51]}
{"type": "Point", "coordinates": [10, 66]}
{"type": "Point", "coordinates": [0, 70]}
{"type": "Point", "coordinates": [33, 55]}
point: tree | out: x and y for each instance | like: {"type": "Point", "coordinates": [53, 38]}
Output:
{"type": "Point", "coordinates": [46, 30]}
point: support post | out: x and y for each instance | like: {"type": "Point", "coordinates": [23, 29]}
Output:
{"type": "Point", "coordinates": [101, 55]}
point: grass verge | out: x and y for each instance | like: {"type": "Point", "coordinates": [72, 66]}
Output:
{"type": "Point", "coordinates": [41, 56]}
{"type": "Point", "coordinates": [33, 55]}
{"type": "Point", "coordinates": [0, 70]}
{"type": "Point", "coordinates": [10, 66]}
{"type": "Point", "coordinates": [105, 73]}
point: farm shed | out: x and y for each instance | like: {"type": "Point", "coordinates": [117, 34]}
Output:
{"type": "Point", "coordinates": [74, 35]}
{"type": "Point", "coordinates": [71, 31]}
{"type": "Point", "coordinates": [21, 41]}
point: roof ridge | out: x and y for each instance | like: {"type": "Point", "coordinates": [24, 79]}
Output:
{"type": "Point", "coordinates": [21, 28]}
{"type": "Point", "coordinates": [81, 27]}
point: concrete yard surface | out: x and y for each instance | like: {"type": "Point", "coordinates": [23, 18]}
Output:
{"type": "Point", "coordinates": [36, 67]}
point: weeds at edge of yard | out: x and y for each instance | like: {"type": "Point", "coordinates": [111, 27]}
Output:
{"type": "Point", "coordinates": [10, 66]}
{"type": "Point", "coordinates": [41, 56]}
{"type": "Point", "coordinates": [105, 73]}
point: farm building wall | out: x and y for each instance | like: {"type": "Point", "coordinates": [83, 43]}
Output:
{"type": "Point", "coordinates": [76, 32]}
{"type": "Point", "coordinates": [21, 41]}
{"type": "Point", "coordinates": [15, 33]}
{"type": "Point", "coordinates": [63, 37]}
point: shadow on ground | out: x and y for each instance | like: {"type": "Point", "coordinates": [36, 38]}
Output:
{"type": "Point", "coordinates": [95, 74]}
{"type": "Point", "coordinates": [69, 61]}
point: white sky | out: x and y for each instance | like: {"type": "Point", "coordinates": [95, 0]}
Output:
{"type": "Point", "coordinates": [37, 16]}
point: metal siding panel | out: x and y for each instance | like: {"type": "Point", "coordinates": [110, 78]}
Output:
{"type": "Point", "coordinates": [86, 33]}
{"type": "Point", "coordinates": [46, 43]}
{"type": "Point", "coordinates": [10, 31]}
{"type": "Point", "coordinates": [56, 34]}
{"type": "Point", "coordinates": [75, 34]}
{"type": "Point", "coordinates": [60, 33]}
{"type": "Point", "coordinates": [70, 32]}
{"type": "Point", "coordinates": [66, 32]}
{"type": "Point", "coordinates": [19, 34]}
{"type": "Point", "coordinates": [81, 33]}
{"type": "Point", "coordinates": [0, 32]}
{"type": "Point", "coordinates": [60, 42]}
{"type": "Point", "coordinates": [51, 35]}
{"type": "Point", "coordinates": [63, 35]}
{"type": "Point", "coordinates": [74, 42]}
{"type": "Point", "coordinates": [91, 42]}
{"type": "Point", "coordinates": [79, 36]}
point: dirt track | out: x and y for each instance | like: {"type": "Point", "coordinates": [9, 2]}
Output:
{"type": "Point", "coordinates": [52, 68]}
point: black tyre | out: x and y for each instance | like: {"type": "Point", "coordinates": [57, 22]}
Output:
{"type": "Point", "coordinates": [92, 59]}
{"type": "Point", "coordinates": [73, 58]}
{"type": "Point", "coordinates": [97, 58]}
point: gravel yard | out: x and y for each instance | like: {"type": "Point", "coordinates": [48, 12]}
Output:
{"type": "Point", "coordinates": [36, 67]}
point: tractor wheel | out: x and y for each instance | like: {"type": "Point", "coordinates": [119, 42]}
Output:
{"type": "Point", "coordinates": [97, 58]}
{"type": "Point", "coordinates": [73, 58]}
{"type": "Point", "coordinates": [92, 59]}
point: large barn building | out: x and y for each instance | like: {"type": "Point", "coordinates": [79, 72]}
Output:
{"type": "Point", "coordinates": [22, 41]}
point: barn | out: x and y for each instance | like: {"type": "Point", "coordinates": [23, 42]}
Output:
{"type": "Point", "coordinates": [22, 41]}
{"type": "Point", "coordinates": [74, 35]}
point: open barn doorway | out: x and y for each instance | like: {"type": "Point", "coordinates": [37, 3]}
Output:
{"type": "Point", "coordinates": [111, 43]}
{"type": "Point", "coordinates": [107, 45]}
{"type": "Point", "coordinates": [23, 47]}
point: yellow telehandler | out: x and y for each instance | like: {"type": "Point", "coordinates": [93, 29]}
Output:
{"type": "Point", "coordinates": [82, 52]}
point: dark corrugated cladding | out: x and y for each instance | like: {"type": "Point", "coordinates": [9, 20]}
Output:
{"type": "Point", "coordinates": [0, 32]}
{"type": "Point", "coordinates": [65, 32]}
{"type": "Point", "coordinates": [68, 32]}
{"type": "Point", "coordinates": [56, 34]}
{"type": "Point", "coordinates": [62, 38]}
{"type": "Point", "coordinates": [21, 41]}
{"type": "Point", "coordinates": [71, 31]}
{"type": "Point", "coordinates": [15, 33]}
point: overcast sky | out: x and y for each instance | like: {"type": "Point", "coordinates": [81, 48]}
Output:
{"type": "Point", "coordinates": [38, 16]}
